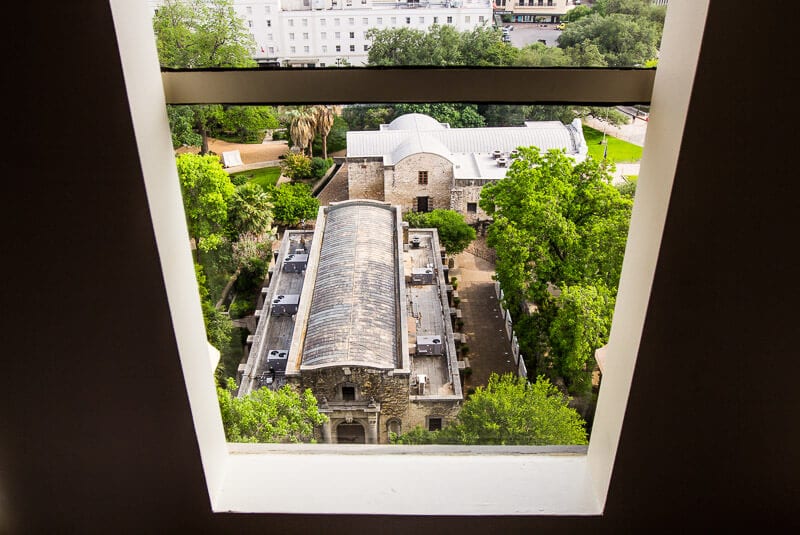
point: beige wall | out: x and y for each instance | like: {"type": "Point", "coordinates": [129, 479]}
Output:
{"type": "Point", "coordinates": [401, 185]}
{"type": "Point", "coordinates": [365, 180]}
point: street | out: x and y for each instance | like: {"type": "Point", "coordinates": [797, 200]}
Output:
{"type": "Point", "coordinates": [525, 33]}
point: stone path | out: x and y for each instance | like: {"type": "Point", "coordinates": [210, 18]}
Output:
{"type": "Point", "coordinates": [489, 348]}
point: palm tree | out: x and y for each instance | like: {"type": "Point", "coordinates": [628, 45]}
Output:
{"type": "Point", "coordinates": [324, 123]}
{"type": "Point", "coordinates": [302, 128]}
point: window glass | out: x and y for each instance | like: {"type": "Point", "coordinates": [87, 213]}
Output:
{"type": "Point", "coordinates": [469, 171]}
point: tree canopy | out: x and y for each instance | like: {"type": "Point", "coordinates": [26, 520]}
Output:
{"type": "Point", "coordinates": [206, 190]}
{"type": "Point", "coordinates": [454, 232]}
{"type": "Point", "coordinates": [293, 202]}
{"type": "Point", "coordinates": [509, 411]}
{"type": "Point", "coordinates": [267, 415]}
{"type": "Point", "coordinates": [616, 33]}
{"type": "Point", "coordinates": [559, 230]}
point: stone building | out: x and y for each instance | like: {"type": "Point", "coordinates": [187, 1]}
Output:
{"type": "Point", "coordinates": [420, 164]}
{"type": "Point", "coordinates": [363, 321]}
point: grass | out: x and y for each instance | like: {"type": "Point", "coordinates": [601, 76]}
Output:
{"type": "Point", "coordinates": [264, 177]}
{"type": "Point", "coordinates": [618, 150]}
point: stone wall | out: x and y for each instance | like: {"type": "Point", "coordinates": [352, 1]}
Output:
{"type": "Point", "coordinates": [402, 187]}
{"type": "Point", "coordinates": [365, 179]}
{"type": "Point", "coordinates": [420, 410]}
{"type": "Point", "coordinates": [460, 196]}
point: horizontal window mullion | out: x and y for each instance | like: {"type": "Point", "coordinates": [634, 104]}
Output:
{"type": "Point", "coordinates": [362, 85]}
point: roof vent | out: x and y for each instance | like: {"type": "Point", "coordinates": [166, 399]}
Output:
{"type": "Point", "coordinates": [502, 162]}
{"type": "Point", "coordinates": [496, 153]}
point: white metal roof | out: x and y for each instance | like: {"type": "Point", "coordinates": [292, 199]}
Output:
{"type": "Point", "coordinates": [469, 149]}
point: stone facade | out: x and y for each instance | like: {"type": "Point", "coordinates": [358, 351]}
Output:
{"type": "Point", "coordinates": [402, 183]}
{"type": "Point", "coordinates": [365, 179]}
{"type": "Point", "coordinates": [465, 198]}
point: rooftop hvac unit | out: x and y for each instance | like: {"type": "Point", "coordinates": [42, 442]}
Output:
{"type": "Point", "coordinates": [423, 276]}
{"type": "Point", "coordinates": [497, 153]}
{"type": "Point", "coordinates": [502, 162]}
{"type": "Point", "coordinates": [415, 242]}
{"type": "Point", "coordinates": [285, 304]}
{"type": "Point", "coordinates": [295, 263]}
{"type": "Point", "coordinates": [276, 360]}
{"type": "Point", "coordinates": [430, 345]}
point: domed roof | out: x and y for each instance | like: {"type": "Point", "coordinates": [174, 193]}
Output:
{"type": "Point", "coordinates": [415, 121]}
{"type": "Point", "coordinates": [418, 144]}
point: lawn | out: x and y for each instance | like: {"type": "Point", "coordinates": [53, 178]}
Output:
{"type": "Point", "coordinates": [264, 177]}
{"type": "Point", "coordinates": [618, 150]}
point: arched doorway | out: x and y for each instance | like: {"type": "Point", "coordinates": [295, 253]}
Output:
{"type": "Point", "coordinates": [350, 433]}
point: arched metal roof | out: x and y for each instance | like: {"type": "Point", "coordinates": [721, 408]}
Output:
{"type": "Point", "coordinates": [415, 121]}
{"type": "Point", "coordinates": [353, 315]}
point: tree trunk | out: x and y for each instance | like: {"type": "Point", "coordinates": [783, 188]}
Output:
{"type": "Point", "coordinates": [204, 144]}
{"type": "Point", "coordinates": [325, 146]}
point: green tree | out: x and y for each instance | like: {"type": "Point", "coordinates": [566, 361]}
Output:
{"type": "Point", "coordinates": [206, 190]}
{"type": "Point", "coordinates": [556, 225]}
{"type": "Point", "coordinates": [624, 40]}
{"type": "Point", "coordinates": [269, 415]}
{"type": "Point", "coordinates": [249, 210]}
{"type": "Point", "coordinates": [200, 34]}
{"type": "Point", "coordinates": [540, 55]}
{"type": "Point", "coordinates": [509, 411]}
{"type": "Point", "coordinates": [248, 123]}
{"type": "Point", "coordinates": [454, 232]}
{"type": "Point", "coordinates": [367, 116]}
{"type": "Point", "coordinates": [581, 324]}
{"type": "Point", "coordinates": [293, 203]}
{"type": "Point", "coordinates": [456, 115]}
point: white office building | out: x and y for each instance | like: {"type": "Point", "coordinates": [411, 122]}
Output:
{"type": "Point", "coordinates": [325, 33]}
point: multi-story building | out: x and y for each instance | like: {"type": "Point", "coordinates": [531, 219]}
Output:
{"type": "Point", "coordinates": [325, 33]}
{"type": "Point", "coordinates": [544, 11]}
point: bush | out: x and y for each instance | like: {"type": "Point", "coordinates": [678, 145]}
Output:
{"type": "Point", "coordinates": [456, 301]}
{"type": "Point", "coordinates": [296, 166]}
{"type": "Point", "coordinates": [319, 166]}
{"type": "Point", "coordinates": [240, 308]}
{"type": "Point", "coordinates": [239, 179]}
{"type": "Point", "coordinates": [464, 350]}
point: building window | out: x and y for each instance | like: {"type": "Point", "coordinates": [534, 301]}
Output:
{"type": "Point", "coordinates": [351, 21]}
{"type": "Point", "coordinates": [366, 48]}
{"type": "Point", "coordinates": [467, 19]}
{"type": "Point", "coordinates": [481, 18]}
{"type": "Point", "coordinates": [324, 49]}
{"type": "Point", "coordinates": [408, 20]}
{"type": "Point", "coordinates": [292, 49]}
{"type": "Point", "coordinates": [422, 204]}
{"type": "Point", "coordinates": [306, 49]}
{"type": "Point", "coordinates": [434, 424]}
{"type": "Point", "coordinates": [304, 21]}
{"type": "Point", "coordinates": [365, 21]}
{"type": "Point", "coordinates": [472, 207]}
{"type": "Point", "coordinates": [323, 35]}
{"type": "Point", "coordinates": [449, 20]}
{"type": "Point", "coordinates": [291, 22]}
{"type": "Point", "coordinates": [338, 48]}
{"type": "Point", "coordinates": [348, 393]}
{"type": "Point", "coordinates": [271, 50]}
{"type": "Point", "coordinates": [291, 37]}
{"type": "Point", "coordinates": [249, 23]}
{"type": "Point", "coordinates": [337, 35]}
{"type": "Point", "coordinates": [336, 22]}
{"type": "Point", "coordinates": [305, 36]}
{"type": "Point", "coordinates": [352, 48]}
{"type": "Point", "coordinates": [436, 20]}
{"type": "Point", "coordinates": [269, 23]}
{"type": "Point", "coordinates": [393, 426]}
{"type": "Point", "coordinates": [422, 177]}
{"type": "Point", "coordinates": [422, 20]}
{"type": "Point", "coordinates": [394, 21]}
{"type": "Point", "coordinates": [269, 37]}
{"type": "Point", "coordinates": [267, 9]}
{"type": "Point", "coordinates": [352, 35]}
{"type": "Point", "coordinates": [380, 21]}
{"type": "Point", "coordinates": [323, 22]}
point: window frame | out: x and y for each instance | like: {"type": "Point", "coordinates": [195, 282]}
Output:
{"type": "Point", "coordinates": [515, 481]}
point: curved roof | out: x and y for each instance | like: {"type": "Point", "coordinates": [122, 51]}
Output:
{"type": "Point", "coordinates": [416, 144]}
{"type": "Point", "coordinates": [415, 121]}
{"type": "Point", "coordinates": [353, 316]}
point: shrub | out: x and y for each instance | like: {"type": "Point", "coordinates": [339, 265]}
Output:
{"type": "Point", "coordinates": [464, 349]}
{"type": "Point", "coordinates": [296, 166]}
{"type": "Point", "coordinates": [319, 166]}
{"type": "Point", "coordinates": [240, 308]}
{"type": "Point", "coordinates": [456, 301]}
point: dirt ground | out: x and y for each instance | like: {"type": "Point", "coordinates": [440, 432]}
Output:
{"type": "Point", "coordinates": [250, 152]}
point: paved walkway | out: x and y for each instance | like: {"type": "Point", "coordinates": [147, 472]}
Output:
{"type": "Point", "coordinates": [489, 348]}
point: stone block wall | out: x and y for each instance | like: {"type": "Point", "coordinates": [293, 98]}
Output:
{"type": "Point", "coordinates": [365, 178]}
{"type": "Point", "coordinates": [460, 196]}
{"type": "Point", "coordinates": [402, 187]}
